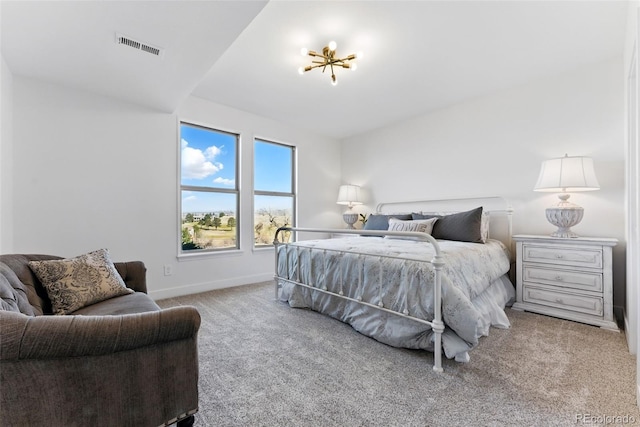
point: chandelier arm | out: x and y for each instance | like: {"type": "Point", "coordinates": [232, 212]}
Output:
{"type": "Point", "coordinates": [311, 67]}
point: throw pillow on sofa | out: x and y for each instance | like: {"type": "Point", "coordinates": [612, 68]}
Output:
{"type": "Point", "coordinates": [77, 282]}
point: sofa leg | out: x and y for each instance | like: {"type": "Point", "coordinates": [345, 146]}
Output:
{"type": "Point", "coordinates": [186, 422]}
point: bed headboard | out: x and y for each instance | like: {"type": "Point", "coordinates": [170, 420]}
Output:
{"type": "Point", "coordinates": [499, 210]}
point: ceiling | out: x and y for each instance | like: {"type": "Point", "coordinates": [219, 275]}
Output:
{"type": "Point", "coordinates": [419, 56]}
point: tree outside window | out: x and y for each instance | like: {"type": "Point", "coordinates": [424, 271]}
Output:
{"type": "Point", "coordinates": [274, 189]}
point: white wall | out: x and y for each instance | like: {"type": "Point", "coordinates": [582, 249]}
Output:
{"type": "Point", "coordinates": [630, 75]}
{"type": "Point", "coordinates": [92, 172]}
{"type": "Point", "coordinates": [6, 153]}
{"type": "Point", "coordinates": [494, 146]}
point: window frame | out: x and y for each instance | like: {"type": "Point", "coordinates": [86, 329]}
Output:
{"type": "Point", "coordinates": [192, 253]}
{"type": "Point", "coordinates": [294, 186]}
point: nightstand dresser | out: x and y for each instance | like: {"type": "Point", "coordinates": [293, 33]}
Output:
{"type": "Point", "coordinates": [568, 278]}
{"type": "Point", "coordinates": [342, 235]}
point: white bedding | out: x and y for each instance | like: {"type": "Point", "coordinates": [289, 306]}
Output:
{"type": "Point", "coordinates": [475, 288]}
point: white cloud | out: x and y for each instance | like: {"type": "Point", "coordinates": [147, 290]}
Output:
{"type": "Point", "coordinates": [197, 164]}
{"type": "Point", "coordinates": [211, 152]}
{"type": "Point", "coordinates": [225, 181]}
{"type": "Point", "coordinates": [189, 198]}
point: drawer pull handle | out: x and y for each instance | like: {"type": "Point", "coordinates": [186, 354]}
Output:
{"type": "Point", "coordinates": [559, 300]}
{"type": "Point", "coordinates": [559, 278]}
{"type": "Point", "coordinates": [559, 256]}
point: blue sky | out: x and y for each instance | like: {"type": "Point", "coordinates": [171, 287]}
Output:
{"type": "Point", "coordinates": [272, 167]}
{"type": "Point", "coordinates": [209, 160]}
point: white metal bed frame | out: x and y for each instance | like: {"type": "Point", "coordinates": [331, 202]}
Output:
{"type": "Point", "coordinates": [437, 325]}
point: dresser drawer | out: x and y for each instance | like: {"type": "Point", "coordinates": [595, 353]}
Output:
{"type": "Point", "coordinates": [565, 278]}
{"type": "Point", "coordinates": [566, 301]}
{"type": "Point", "coordinates": [583, 257]}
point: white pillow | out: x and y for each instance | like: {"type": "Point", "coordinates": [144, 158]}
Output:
{"type": "Point", "coordinates": [484, 226]}
{"type": "Point", "coordinates": [420, 225]}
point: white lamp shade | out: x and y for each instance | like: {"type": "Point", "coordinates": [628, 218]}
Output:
{"type": "Point", "coordinates": [567, 174]}
{"type": "Point", "coordinates": [349, 195]}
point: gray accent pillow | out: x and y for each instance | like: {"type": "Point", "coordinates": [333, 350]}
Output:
{"type": "Point", "coordinates": [462, 226]}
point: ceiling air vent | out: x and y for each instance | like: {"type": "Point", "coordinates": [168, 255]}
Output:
{"type": "Point", "coordinates": [128, 41]}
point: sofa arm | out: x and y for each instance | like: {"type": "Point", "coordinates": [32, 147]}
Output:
{"type": "Point", "coordinates": [48, 337]}
{"type": "Point", "coordinates": [134, 274]}
{"type": "Point", "coordinates": [76, 371]}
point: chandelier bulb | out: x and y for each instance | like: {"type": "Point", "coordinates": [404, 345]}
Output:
{"type": "Point", "coordinates": [301, 70]}
{"type": "Point", "coordinates": [332, 45]}
{"type": "Point", "coordinates": [334, 81]}
{"type": "Point", "coordinates": [353, 66]}
{"type": "Point", "coordinates": [359, 55]}
{"type": "Point", "coordinates": [304, 51]}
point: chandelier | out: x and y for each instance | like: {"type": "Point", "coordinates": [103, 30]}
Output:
{"type": "Point", "coordinates": [328, 58]}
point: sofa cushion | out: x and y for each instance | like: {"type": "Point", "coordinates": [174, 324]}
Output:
{"type": "Point", "coordinates": [13, 294]}
{"type": "Point", "coordinates": [136, 302]}
{"type": "Point", "coordinates": [74, 283]}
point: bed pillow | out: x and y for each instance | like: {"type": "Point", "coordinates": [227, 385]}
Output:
{"type": "Point", "coordinates": [381, 222]}
{"type": "Point", "coordinates": [484, 227]}
{"type": "Point", "coordinates": [420, 225]}
{"type": "Point", "coordinates": [462, 226]}
{"type": "Point", "coordinates": [484, 223]}
{"type": "Point", "coordinates": [74, 283]}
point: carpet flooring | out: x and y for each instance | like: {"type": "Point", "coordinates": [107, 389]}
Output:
{"type": "Point", "coordinates": [263, 363]}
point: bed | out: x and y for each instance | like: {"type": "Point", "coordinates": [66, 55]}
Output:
{"type": "Point", "coordinates": [434, 276]}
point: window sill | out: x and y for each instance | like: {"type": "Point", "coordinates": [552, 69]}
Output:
{"type": "Point", "coordinates": [212, 254]}
{"type": "Point", "coordinates": [263, 248]}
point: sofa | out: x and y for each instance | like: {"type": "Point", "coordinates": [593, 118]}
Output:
{"type": "Point", "coordinates": [122, 361]}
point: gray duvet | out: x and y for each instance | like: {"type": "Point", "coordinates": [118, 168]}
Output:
{"type": "Point", "coordinates": [393, 272]}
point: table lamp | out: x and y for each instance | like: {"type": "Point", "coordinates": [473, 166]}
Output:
{"type": "Point", "coordinates": [563, 175]}
{"type": "Point", "coordinates": [349, 195]}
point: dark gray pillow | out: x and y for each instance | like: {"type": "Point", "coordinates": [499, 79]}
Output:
{"type": "Point", "coordinates": [381, 222]}
{"type": "Point", "coordinates": [462, 226]}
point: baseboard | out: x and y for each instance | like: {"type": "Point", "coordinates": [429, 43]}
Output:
{"type": "Point", "coordinates": [631, 341]}
{"type": "Point", "coordinates": [209, 286]}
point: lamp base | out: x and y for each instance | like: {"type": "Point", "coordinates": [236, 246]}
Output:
{"type": "Point", "coordinates": [350, 217]}
{"type": "Point", "coordinates": [564, 233]}
{"type": "Point", "coordinates": [564, 216]}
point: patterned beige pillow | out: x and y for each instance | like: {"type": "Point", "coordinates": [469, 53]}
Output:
{"type": "Point", "coordinates": [78, 282]}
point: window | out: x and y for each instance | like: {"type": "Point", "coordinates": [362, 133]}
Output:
{"type": "Point", "coordinates": [274, 189]}
{"type": "Point", "coordinates": [208, 189]}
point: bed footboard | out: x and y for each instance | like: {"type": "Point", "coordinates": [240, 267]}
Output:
{"type": "Point", "coordinates": [437, 325]}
